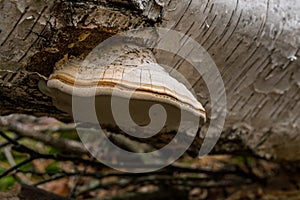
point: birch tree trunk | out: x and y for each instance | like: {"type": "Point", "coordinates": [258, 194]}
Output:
{"type": "Point", "coordinates": [255, 45]}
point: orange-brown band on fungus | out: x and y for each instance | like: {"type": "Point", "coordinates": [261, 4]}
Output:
{"type": "Point", "coordinates": [105, 82]}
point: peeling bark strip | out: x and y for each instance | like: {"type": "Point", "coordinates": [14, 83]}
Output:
{"type": "Point", "coordinates": [254, 44]}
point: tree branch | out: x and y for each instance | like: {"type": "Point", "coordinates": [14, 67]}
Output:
{"type": "Point", "coordinates": [12, 123]}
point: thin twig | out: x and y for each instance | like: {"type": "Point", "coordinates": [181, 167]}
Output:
{"type": "Point", "coordinates": [35, 155]}
{"type": "Point", "coordinates": [24, 162]}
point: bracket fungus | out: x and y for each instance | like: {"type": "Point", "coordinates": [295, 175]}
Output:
{"type": "Point", "coordinates": [133, 77]}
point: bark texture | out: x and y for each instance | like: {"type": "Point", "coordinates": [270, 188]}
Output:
{"type": "Point", "coordinates": [255, 45]}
